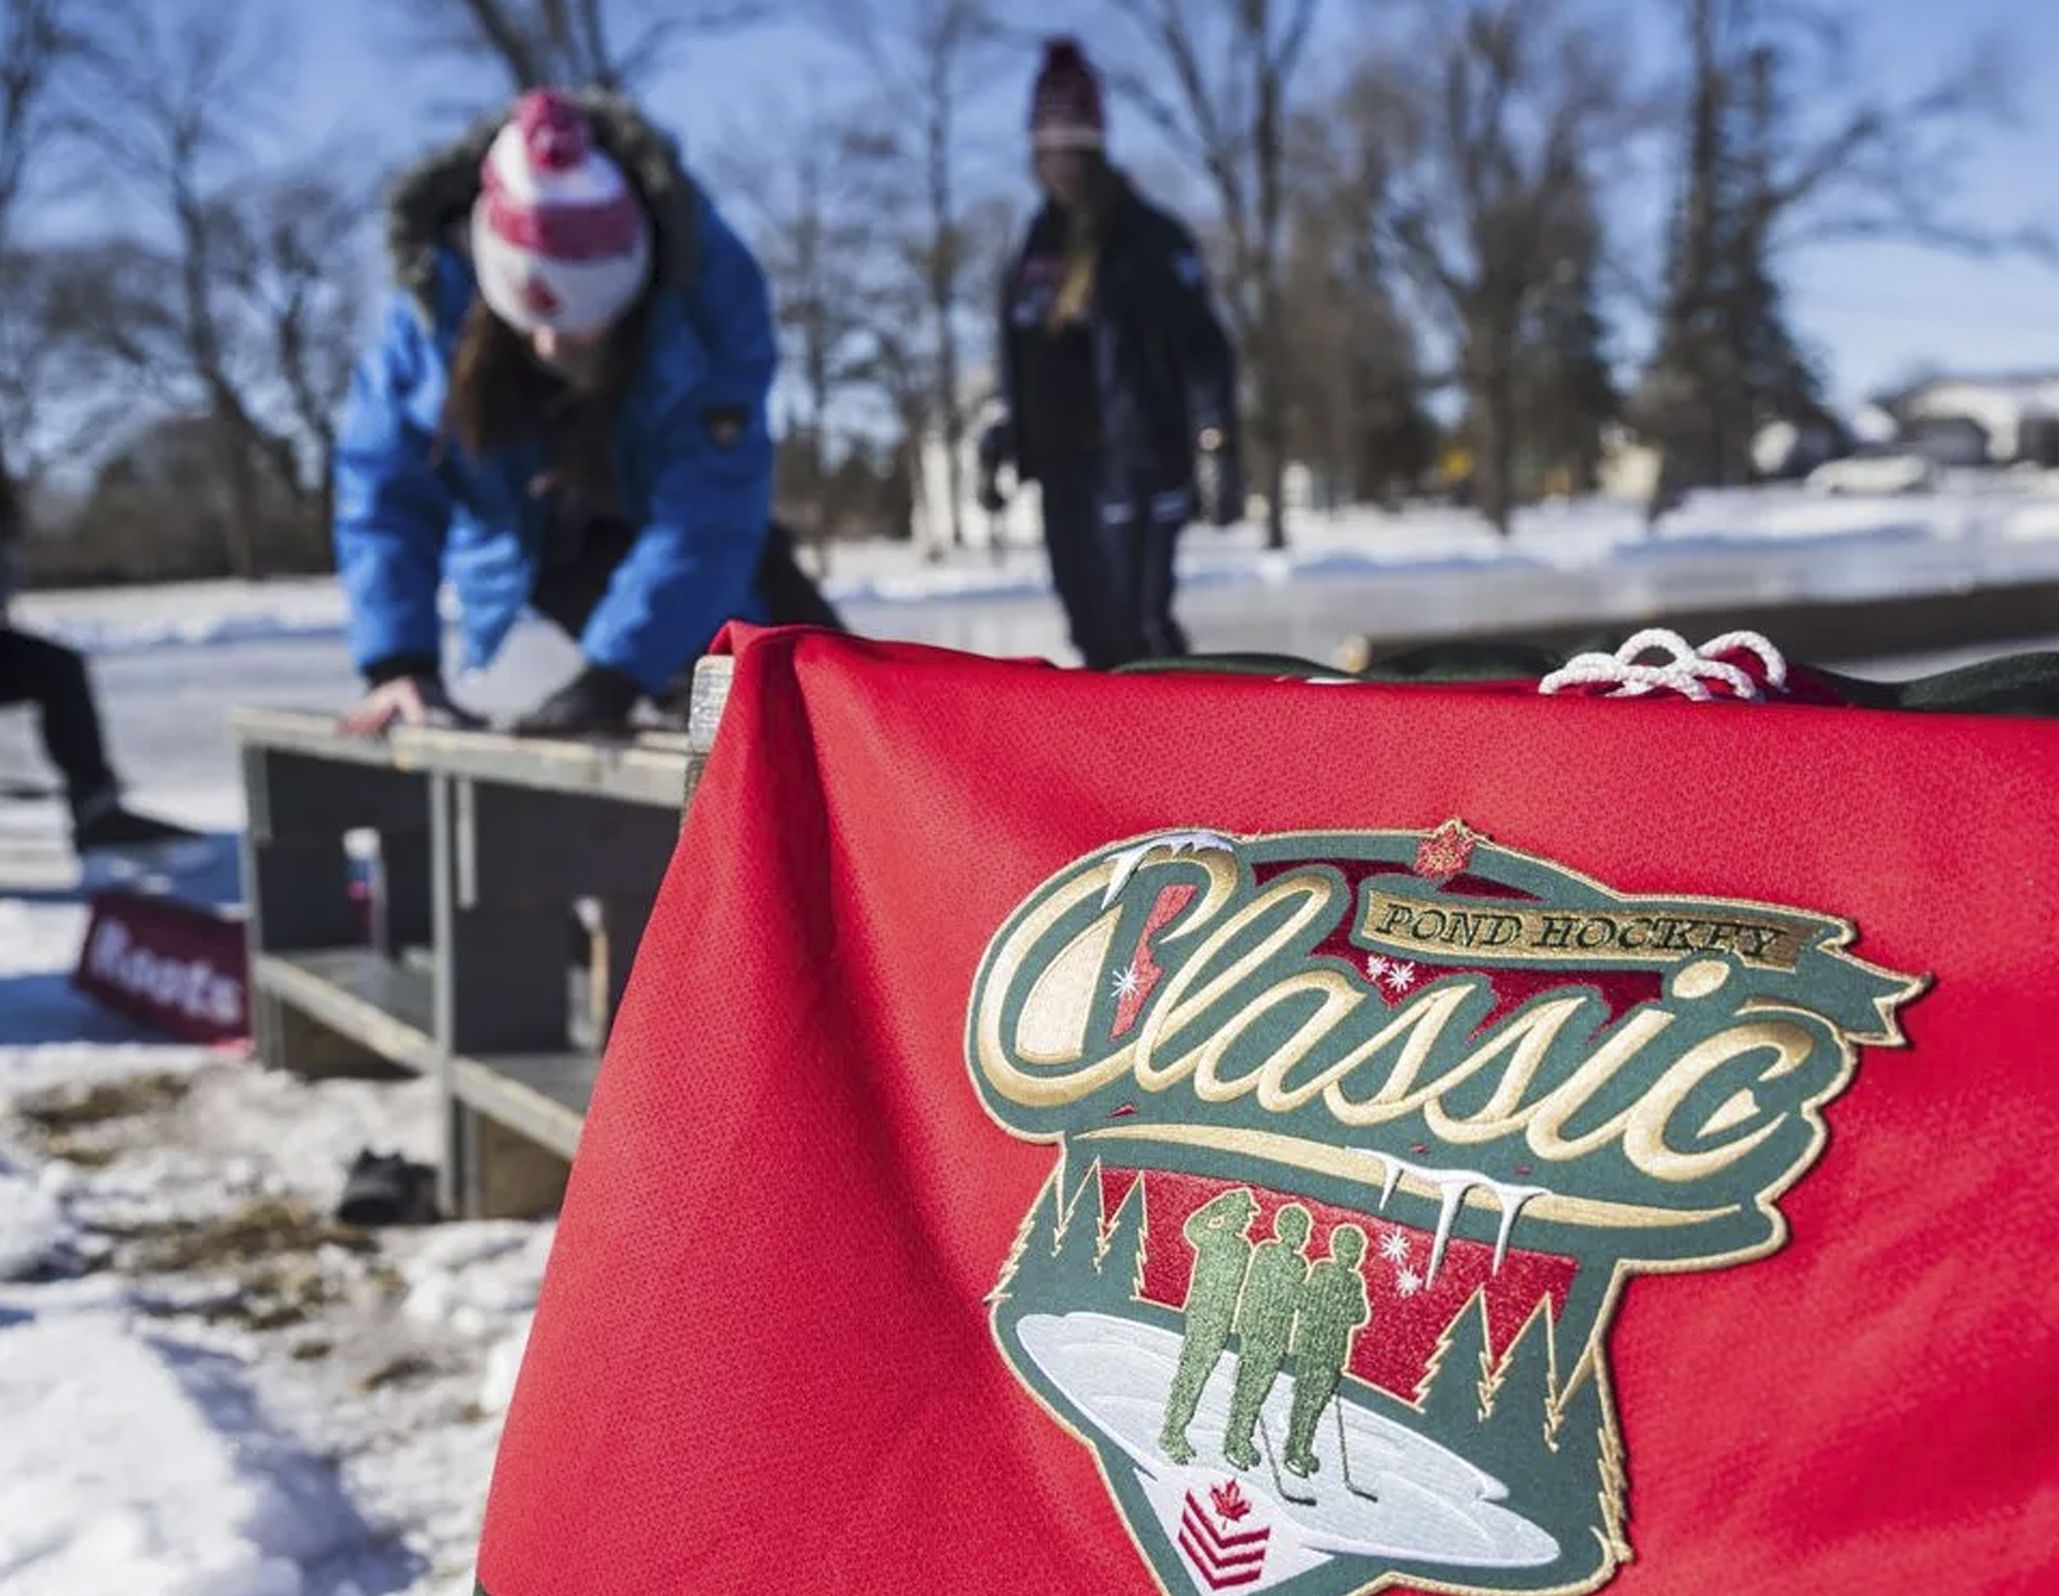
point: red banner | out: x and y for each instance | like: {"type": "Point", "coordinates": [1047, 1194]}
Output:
{"type": "Point", "coordinates": [177, 967]}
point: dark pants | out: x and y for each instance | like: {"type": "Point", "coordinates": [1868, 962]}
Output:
{"type": "Point", "coordinates": [34, 670]}
{"type": "Point", "coordinates": [1112, 563]}
{"type": "Point", "coordinates": [574, 578]}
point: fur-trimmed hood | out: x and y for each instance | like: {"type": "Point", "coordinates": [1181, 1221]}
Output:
{"type": "Point", "coordinates": [427, 208]}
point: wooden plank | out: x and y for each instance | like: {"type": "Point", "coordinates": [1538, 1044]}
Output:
{"type": "Point", "coordinates": [296, 731]}
{"type": "Point", "coordinates": [378, 1004]}
{"type": "Point", "coordinates": [630, 772]}
{"type": "Point", "coordinates": [543, 1096]}
{"type": "Point", "coordinates": [712, 679]}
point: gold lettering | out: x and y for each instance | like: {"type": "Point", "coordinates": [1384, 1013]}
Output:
{"type": "Point", "coordinates": [1176, 1009]}
{"type": "Point", "coordinates": [1546, 1132]}
{"type": "Point", "coordinates": [1529, 1037]}
{"type": "Point", "coordinates": [1339, 999]}
{"type": "Point", "coordinates": [1644, 1134]}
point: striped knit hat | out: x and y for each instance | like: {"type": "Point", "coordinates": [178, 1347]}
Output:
{"type": "Point", "coordinates": [558, 237]}
{"type": "Point", "coordinates": [1065, 106]}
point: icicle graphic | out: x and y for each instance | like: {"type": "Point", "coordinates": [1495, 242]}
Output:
{"type": "Point", "coordinates": [1452, 1185]}
{"type": "Point", "coordinates": [1512, 1199]}
{"type": "Point", "coordinates": [1174, 842]}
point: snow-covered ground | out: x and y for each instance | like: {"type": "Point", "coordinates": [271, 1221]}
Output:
{"type": "Point", "coordinates": [1998, 525]}
{"type": "Point", "coordinates": [207, 1389]}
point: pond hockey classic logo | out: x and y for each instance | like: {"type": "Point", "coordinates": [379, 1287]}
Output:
{"type": "Point", "coordinates": [1360, 1135]}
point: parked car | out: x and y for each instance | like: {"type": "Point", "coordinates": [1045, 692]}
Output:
{"type": "Point", "coordinates": [1876, 472]}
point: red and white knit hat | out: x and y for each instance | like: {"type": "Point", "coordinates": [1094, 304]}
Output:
{"type": "Point", "coordinates": [558, 237]}
{"type": "Point", "coordinates": [1065, 105]}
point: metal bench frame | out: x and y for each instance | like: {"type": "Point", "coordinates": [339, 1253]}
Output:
{"type": "Point", "coordinates": [487, 842]}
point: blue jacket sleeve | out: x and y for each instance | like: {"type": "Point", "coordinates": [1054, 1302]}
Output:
{"type": "Point", "coordinates": [694, 563]}
{"type": "Point", "coordinates": [392, 510]}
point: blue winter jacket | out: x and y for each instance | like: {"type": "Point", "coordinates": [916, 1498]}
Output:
{"type": "Point", "coordinates": [412, 508]}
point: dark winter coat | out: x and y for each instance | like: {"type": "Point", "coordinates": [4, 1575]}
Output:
{"type": "Point", "coordinates": [1163, 371]}
{"type": "Point", "coordinates": [413, 508]}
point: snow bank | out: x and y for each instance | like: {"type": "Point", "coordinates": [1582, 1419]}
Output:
{"type": "Point", "coordinates": [129, 1464]}
{"type": "Point", "coordinates": [33, 1227]}
{"type": "Point", "coordinates": [1356, 541]}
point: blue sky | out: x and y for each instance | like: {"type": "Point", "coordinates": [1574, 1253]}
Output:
{"type": "Point", "coordinates": [1874, 311]}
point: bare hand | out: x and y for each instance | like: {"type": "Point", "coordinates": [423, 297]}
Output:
{"type": "Point", "coordinates": [404, 701]}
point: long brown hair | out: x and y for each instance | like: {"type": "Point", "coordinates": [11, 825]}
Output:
{"type": "Point", "coordinates": [502, 397]}
{"type": "Point", "coordinates": [1085, 226]}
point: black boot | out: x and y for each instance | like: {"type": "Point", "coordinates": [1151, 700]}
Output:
{"type": "Point", "coordinates": [387, 1189]}
{"type": "Point", "coordinates": [101, 823]}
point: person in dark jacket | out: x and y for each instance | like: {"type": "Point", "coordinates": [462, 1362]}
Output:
{"type": "Point", "coordinates": [565, 411]}
{"type": "Point", "coordinates": [34, 670]}
{"type": "Point", "coordinates": [1119, 385]}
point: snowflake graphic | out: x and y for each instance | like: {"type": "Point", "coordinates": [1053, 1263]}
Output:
{"type": "Point", "coordinates": [1400, 976]}
{"type": "Point", "coordinates": [1376, 966]}
{"type": "Point", "coordinates": [1394, 1247]}
{"type": "Point", "coordinates": [1407, 1283]}
{"type": "Point", "coordinates": [1127, 983]}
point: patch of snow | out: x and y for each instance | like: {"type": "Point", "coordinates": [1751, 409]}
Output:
{"type": "Point", "coordinates": [33, 1227]}
{"type": "Point", "coordinates": [1418, 538]}
{"type": "Point", "coordinates": [132, 1463]}
{"type": "Point", "coordinates": [503, 1364]}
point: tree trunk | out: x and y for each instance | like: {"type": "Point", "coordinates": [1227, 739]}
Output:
{"type": "Point", "coordinates": [943, 289]}
{"type": "Point", "coordinates": [1273, 391]}
{"type": "Point", "coordinates": [1272, 429]}
{"type": "Point", "coordinates": [1494, 408]}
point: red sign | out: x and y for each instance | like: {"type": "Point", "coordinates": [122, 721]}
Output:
{"type": "Point", "coordinates": [175, 966]}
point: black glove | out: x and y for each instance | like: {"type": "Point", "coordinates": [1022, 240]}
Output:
{"type": "Point", "coordinates": [1219, 480]}
{"type": "Point", "coordinates": [996, 444]}
{"type": "Point", "coordinates": [596, 702]}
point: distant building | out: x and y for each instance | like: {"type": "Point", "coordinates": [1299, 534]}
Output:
{"type": "Point", "coordinates": [1976, 421]}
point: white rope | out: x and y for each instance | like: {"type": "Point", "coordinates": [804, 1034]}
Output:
{"type": "Point", "coordinates": [1687, 670]}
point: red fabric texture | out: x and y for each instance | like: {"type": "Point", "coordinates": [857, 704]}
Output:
{"type": "Point", "coordinates": [762, 1360]}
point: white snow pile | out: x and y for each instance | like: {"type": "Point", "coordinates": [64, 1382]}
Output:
{"type": "Point", "coordinates": [33, 1228]}
{"type": "Point", "coordinates": [206, 1388]}
{"type": "Point", "coordinates": [1359, 540]}
{"type": "Point", "coordinates": [129, 1464]}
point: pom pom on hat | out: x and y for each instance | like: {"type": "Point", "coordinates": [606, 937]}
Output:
{"type": "Point", "coordinates": [1065, 105]}
{"type": "Point", "coordinates": [559, 239]}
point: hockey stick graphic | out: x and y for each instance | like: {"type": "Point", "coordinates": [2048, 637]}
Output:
{"type": "Point", "coordinates": [1344, 1459]}
{"type": "Point", "coordinates": [1272, 1462]}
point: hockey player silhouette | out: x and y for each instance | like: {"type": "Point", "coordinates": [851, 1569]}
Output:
{"type": "Point", "coordinates": [1333, 1307]}
{"type": "Point", "coordinates": [1216, 1232]}
{"type": "Point", "coordinates": [1265, 1322]}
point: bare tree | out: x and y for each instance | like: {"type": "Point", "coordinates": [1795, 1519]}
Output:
{"type": "Point", "coordinates": [607, 44]}
{"type": "Point", "coordinates": [44, 46]}
{"type": "Point", "coordinates": [1500, 112]}
{"type": "Point", "coordinates": [1231, 123]}
{"type": "Point", "coordinates": [297, 272]}
{"type": "Point", "coordinates": [803, 202]}
{"type": "Point", "coordinates": [1357, 398]}
{"type": "Point", "coordinates": [179, 98]}
{"type": "Point", "coordinates": [1778, 152]}
{"type": "Point", "coordinates": [928, 58]}
{"type": "Point", "coordinates": [56, 396]}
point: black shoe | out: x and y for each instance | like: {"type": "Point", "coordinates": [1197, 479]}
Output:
{"type": "Point", "coordinates": [106, 825]}
{"type": "Point", "coordinates": [387, 1189]}
{"type": "Point", "coordinates": [595, 703]}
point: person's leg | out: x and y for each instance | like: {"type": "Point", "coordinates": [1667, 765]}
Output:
{"type": "Point", "coordinates": [570, 587]}
{"type": "Point", "coordinates": [1158, 536]}
{"type": "Point", "coordinates": [790, 594]}
{"type": "Point", "coordinates": [53, 677]}
{"type": "Point", "coordinates": [1074, 538]}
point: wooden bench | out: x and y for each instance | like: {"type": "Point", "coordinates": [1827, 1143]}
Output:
{"type": "Point", "coordinates": [512, 879]}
